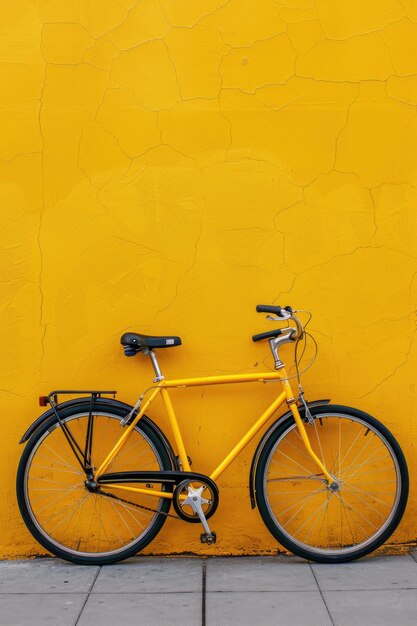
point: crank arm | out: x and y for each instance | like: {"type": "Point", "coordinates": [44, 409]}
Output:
{"type": "Point", "coordinates": [195, 503]}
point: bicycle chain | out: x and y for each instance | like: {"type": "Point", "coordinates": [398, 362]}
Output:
{"type": "Point", "coordinates": [138, 506]}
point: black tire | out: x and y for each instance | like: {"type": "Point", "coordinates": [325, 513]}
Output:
{"type": "Point", "coordinates": [351, 521]}
{"type": "Point", "coordinates": [48, 465]}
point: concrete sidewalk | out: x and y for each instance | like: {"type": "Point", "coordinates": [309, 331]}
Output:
{"type": "Point", "coordinates": [264, 591]}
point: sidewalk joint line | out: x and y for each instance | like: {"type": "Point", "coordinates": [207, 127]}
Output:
{"type": "Point", "coordinates": [322, 596]}
{"type": "Point", "coordinates": [203, 598]}
{"type": "Point", "coordinates": [88, 595]}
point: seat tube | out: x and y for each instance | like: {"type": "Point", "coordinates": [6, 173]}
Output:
{"type": "Point", "coordinates": [175, 429]}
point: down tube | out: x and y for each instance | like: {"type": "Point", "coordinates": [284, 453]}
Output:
{"type": "Point", "coordinates": [249, 436]}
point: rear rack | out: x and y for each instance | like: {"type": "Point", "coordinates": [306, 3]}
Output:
{"type": "Point", "coordinates": [52, 398]}
{"type": "Point", "coordinates": [83, 456]}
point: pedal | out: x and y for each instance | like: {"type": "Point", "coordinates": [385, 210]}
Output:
{"type": "Point", "coordinates": [209, 539]}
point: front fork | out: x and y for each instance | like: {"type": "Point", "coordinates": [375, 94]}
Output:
{"type": "Point", "coordinates": [291, 401]}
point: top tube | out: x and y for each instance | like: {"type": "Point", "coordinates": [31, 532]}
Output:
{"type": "Point", "coordinates": [263, 377]}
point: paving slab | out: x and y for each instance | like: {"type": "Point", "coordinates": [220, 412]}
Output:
{"type": "Point", "coordinates": [38, 609]}
{"type": "Point", "coordinates": [149, 609]}
{"type": "Point", "coordinates": [373, 608]}
{"type": "Point", "coordinates": [258, 574]}
{"type": "Point", "coordinates": [266, 609]}
{"type": "Point", "coordinates": [45, 576]}
{"type": "Point", "coordinates": [387, 572]}
{"type": "Point", "coordinates": [151, 575]}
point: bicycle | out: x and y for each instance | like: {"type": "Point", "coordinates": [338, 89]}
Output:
{"type": "Point", "coordinates": [330, 481]}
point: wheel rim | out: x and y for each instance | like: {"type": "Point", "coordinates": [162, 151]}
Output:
{"type": "Point", "coordinates": [364, 466]}
{"type": "Point", "coordinates": [70, 517]}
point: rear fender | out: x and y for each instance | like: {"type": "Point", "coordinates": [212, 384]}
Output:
{"type": "Point", "coordinates": [111, 403]}
{"type": "Point", "coordinates": [264, 439]}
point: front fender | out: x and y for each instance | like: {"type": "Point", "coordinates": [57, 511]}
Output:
{"type": "Point", "coordinates": [264, 439]}
{"type": "Point", "coordinates": [110, 402]}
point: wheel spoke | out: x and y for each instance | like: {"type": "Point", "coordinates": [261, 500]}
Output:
{"type": "Point", "coordinates": [292, 478]}
{"type": "Point", "coordinates": [300, 451]}
{"type": "Point", "coordinates": [62, 495]}
{"type": "Point", "coordinates": [352, 444]}
{"type": "Point", "coordinates": [57, 482]}
{"type": "Point", "coordinates": [361, 451]}
{"type": "Point", "coordinates": [80, 503]}
{"type": "Point", "coordinates": [294, 461]}
{"type": "Point", "coordinates": [129, 510]}
{"type": "Point", "coordinates": [351, 508]}
{"type": "Point", "coordinates": [114, 529]}
{"type": "Point", "coordinates": [319, 442]}
{"type": "Point", "coordinates": [367, 493]}
{"type": "Point", "coordinates": [322, 513]}
{"type": "Point", "coordinates": [325, 505]}
{"type": "Point", "coordinates": [303, 501]}
{"type": "Point", "coordinates": [122, 518]}
{"type": "Point", "coordinates": [63, 462]}
{"type": "Point", "coordinates": [345, 509]}
{"type": "Point", "coordinates": [370, 459]}
{"type": "Point", "coordinates": [366, 503]}
{"type": "Point", "coordinates": [378, 470]}
{"type": "Point", "coordinates": [66, 471]}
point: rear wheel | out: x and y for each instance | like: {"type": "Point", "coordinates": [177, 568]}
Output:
{"type": "Point", "coordinates": [340, 522]}
{"type": "Point", "coordinates": [73, 522]}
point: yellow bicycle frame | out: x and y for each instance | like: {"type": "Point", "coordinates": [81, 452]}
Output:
{"type": "Point", "coordinates": [162, 388]}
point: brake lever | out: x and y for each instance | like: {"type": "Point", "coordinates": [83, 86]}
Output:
{"type": "Point", "coordinates": [285, 316]}
{"type": "Point", "coordinates": [279, 318]}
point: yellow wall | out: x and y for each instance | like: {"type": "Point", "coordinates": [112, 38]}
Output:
{"type": "Point", "coordinates": [167, 165]}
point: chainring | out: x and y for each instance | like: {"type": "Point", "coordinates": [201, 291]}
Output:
{"type": "Point", "coordinates": [210, 493]}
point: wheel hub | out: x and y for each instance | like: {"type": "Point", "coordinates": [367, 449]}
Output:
{"type": "Point", "coordinates": [91, 485]}
{"type": "Point", "coordinates": [334, 486]}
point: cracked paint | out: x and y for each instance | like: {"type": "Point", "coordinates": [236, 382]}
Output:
{"type": "Point", "coordinates": [195, 52]}
{"type": "Point", "coordinates": [137, 68]}
{"type": "Point", "coordinates": [251, 67]}
{"type": "Point", "coordinates": [346, 18]}
{"type": "Point", "coordinates": [65, 43]}
{"type": "Point", "coordinates": [359, 146]}
{"type": "Point", "coordinates": [354, 59]}
{"type": "Point", "coordinates": [304, 35]}
{"type": "Point", "coordinates": [134, 127]}
{"type": "Point", "coordinates": [145, 21]}
{"type": "Point", "coordinates": [166, 166]}
{"type": "Point", "coordinates": [241, 26]}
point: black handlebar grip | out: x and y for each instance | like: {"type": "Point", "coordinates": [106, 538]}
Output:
{"type": "Point", "coordinates": [268, 335]}
{"type": "Point", "coordinates": [266, 308]}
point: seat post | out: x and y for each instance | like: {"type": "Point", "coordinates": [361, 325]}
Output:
{"type": "Point", "coordinates": [156, 367]}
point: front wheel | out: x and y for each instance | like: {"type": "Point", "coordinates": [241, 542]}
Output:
{"type": "Point", "coordinates": [82, 525]}
{"type": "Point", "coordinates": [351, 518]}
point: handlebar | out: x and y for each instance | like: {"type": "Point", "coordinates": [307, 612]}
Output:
{"type": "Point", "coordinates": [286, 313]}
{"type": "Point", "coordinates": [266, 308]}
{"type": "Point", "coordinates": [270, 334]}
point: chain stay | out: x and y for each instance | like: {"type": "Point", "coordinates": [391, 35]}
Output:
{"type": "Point", "coordinates": [138, 506]}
